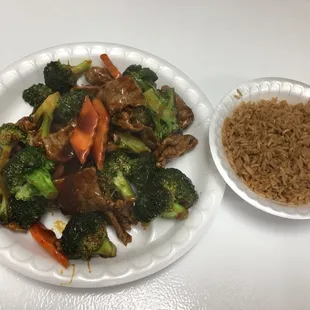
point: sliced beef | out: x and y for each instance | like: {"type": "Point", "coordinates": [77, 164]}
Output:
{"type": "Point", "coordinates": [134, 119]}
{"type": "Point", "coordinates": [59, 171]}
{"type": "Point", "coordinates": [57, 145]}
{"type": "Point", "coordinates": [124, 212]}
{"type": "Point", "coordinates": [121, 93]}
{"type": "Point", "coordinates": [174, 146]}
{"type": "Point", "coordinates": [124, 120]}
{"type": "Point", "coordinates": [98, 76]}
{"type": "Point", "coordinates": [185, 113]}
{"type": "Point", "coordinates": [26, 124]}
{"type": "Point", "coordinates": [149, 138]}
{"type": "Point", "coordinates": [121, 233]}
{"type": "Point", "coordinates": [80, 192]}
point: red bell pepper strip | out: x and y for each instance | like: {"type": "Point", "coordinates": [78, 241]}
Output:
{"type": "Point", "coordinates": [82, 137]}
{"type": "Point", "coordinates": [109, 65]}
{"type": "Point", "coordinates": [101, 135]}
{"type": "Point", "coordinates": [46, 238]}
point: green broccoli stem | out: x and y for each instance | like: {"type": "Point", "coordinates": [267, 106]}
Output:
{"type": "Point", "coordinates": [169, 114]}
{"type": "Point", "coordinates": [107, 249]}
{"type": "Point", "coordinates": [132, 143]}
{"type": "Point", "coordinates": [154, 104]}
{"type": "Point", "coordinates": [47, 107]}
{"type": "Point", "coordinates": [81, 68]}
{"type": "Point", "coordinates": [41, 180]}
{"type": "Point", "coordinates": [5, 155]}
{"type": "Point", "coordinates": [4, 204]}
{"type": "Point", "coordinates": [164, 110]}
{"type": "Point", "coordinates": [123, 186]}
{"type": "Point", "coordinates": [46, 110]}
{"type": "Point", "coordinates": [46, 125]}
{"type": "Point", "coordinates": [143, 84]}
{"type": "Point", "coordinates": [176, 212]}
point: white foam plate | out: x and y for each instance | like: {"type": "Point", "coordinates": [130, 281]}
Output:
{"type": "Point", "coordinates": [164, 241]}
{"type": "Point", "coordinates": [264, 88]}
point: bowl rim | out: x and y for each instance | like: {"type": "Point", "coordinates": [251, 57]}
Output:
{"type": "Point", "coordinates": [235, 185]}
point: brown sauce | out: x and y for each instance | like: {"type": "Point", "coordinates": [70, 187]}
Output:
{"type": "Point", "coordinates": [72, 276]}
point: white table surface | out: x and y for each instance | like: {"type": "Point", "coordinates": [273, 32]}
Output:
{"type": "Point", "coordinates": [248, 259]}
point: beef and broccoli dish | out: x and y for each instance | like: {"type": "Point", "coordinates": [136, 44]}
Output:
{"type": "Point", "coordinates": [97, 152]}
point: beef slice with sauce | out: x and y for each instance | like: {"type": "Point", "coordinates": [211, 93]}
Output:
{"type": "Point", "coordinates": [128, 119]}
{"type": "Point", "coordinates": [185, 113]}
{"type": "Point", "coordinates": [80, 192]}
{"type": "Point", "coordinates": [98, 76]}
{"type": "Point", "coordinates": [124, 121]}
{"type": "Point", "coordinates": [148, 137]}
{"type": "Point", "coordinates": [57, 145]}
{"type": "Point", "coordinates": [174, 146]}
{"type": "Point", "coordinates": [121, 93]}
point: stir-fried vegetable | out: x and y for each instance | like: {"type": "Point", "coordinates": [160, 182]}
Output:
{"type": "Point", "coordinates": [144, 77]}
{"type": "Point", "coordinates": [36, 94]}
{"type": "Point", "coordinates": [109, 65]}
{"type": "Point", "coordinates": [83, 135]}
{"type": "Point", "coordinates": [162, 103]}
{"type": "Point", "coordinates": [47, 240]}
{"type": "Point", "coordinates": [62, 77]}
{"type": "Point", "coordinates": [46, 113]}
{"type": "Point", "coordinates": [85, 236]}
{"type": "Point", "coordinates": [169, 194]}
{"type": "Point", "coordinates": [130, 142]}
{"type": "Point", "coordinates": [27, 175]}
{"type": "Point", "coordinates": [10, 135]}
{"type": "Point", "coordinates": [101, 135]}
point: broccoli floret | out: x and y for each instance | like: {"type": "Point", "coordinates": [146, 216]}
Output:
{"type": "Point", "coordinates": [85, 236]}
{"type": "Point", "coordinates": [36, 94]}
{"type": "Point", "coordinates": [27, 174]}
{"type": "Point", "coordinates": [69, 105]}
{"type": "Point", "coordinates": [131, 143]}
{"type": "Point", "coordinates": [117, 165]}
{"type": "Point", "coordinates": [143, 168]}
{"type": "Point", "coordinates": [10, 135]}
{"type": "Point", "coordinates": [180, 186]}
{"type": "Point", "coordinates": [157, 201]}
{"type": "Point", "coordinates": [162, 103]}
{"type": "Point", "coordinates": [107, 187]}
{"type": "Point", "coordinates": [46, 113]}
{"type": "Point", "coordinates": [144, 77]}
{"type": "Point", "coordinates": [168, 194]}
{"type": "Point", "coordinates": [62, 77]}
{"type": "Point", "coordinates": [151, 203]}
{"type": "Point", "coordinates": [25, 213]}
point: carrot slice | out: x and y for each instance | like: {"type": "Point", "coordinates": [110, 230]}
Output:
{"type": "Point", "coordinates": [83, 134]}
{"type": "Point", "coordinates": [101, 135]}
{"type": "Point", "coordinates": [111, 68]}
{"type": "Point", "coordinates": [46, 238]}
